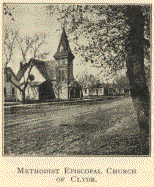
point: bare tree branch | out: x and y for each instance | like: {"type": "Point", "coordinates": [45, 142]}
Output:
{"type": "Point", "coordinates": [25, 45]}
{"type": "Point", "coordinates": [10, 37]}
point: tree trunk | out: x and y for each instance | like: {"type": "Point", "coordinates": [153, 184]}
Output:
{"type": "Point", "coordinates": [135, 68]}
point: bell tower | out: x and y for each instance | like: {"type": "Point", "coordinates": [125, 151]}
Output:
{"type": "Point", "coordinates": [64, 66]}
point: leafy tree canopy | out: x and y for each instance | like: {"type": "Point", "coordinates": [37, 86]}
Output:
{"type": "Point", "coordinates": [99, 32]}
{"type": "Point", "coordinates": [123, 82]}
{"type": "Point", "coordinates": [88, 81]}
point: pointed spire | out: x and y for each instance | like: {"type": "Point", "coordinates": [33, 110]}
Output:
{"type": "Point", "coordinates": [64, 41]}
{"type": "Point", "coordinates": [63, 47]}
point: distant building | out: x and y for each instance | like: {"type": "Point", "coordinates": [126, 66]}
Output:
{"type": "Point", "coordinates": [111, 89]}
{"type": "Point", "coordinates": [96, 90]}
{"type": "Point", "coordinates": [93, 91]}
{"type": "Point", "coordinates": [114, 89]}
{"type": "Point", "coordinates": [86, 91]}
{"type": "Point", "coordinates": [10, 90]}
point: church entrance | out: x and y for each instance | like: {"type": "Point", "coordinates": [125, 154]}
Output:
{"type": "Point", "coordinates": [46, 92]}
{"type": "Point", "coordinates": [75, 90]}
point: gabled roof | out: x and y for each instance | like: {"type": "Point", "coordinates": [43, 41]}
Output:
{"type": "Point", "coordinates": [22, 71]}
{"type": "Point", "coordinates": [8, 70]}
{"type": "Point", "coordinates": [75, 84]}
{"type": "Point", "coordinates": [47, 82]}
{"type": "Point", "coordinates": [64, 50]}
{"type": "Point", "coordinates": [34, 84]}
{"type": "Point", "coordinates": [46, 68]}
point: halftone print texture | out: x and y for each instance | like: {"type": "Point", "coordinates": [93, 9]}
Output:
{"type": "Point", "coordinates": [76, 80]}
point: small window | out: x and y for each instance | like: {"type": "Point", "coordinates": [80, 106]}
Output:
{"type": "Point", "coordinates": [13, 91]}
{"type": "Point", "coordinates": [5, 92]}
{"type": "Point", "coordinates": [63, 75]}
{"type": "Point", "coordinates": [85, 91]}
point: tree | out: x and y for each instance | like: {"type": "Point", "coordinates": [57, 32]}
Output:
{"type": "Point", "coordinates": [89, 81]}
{"type": "Point", "coordinates": [7, 11]}
{"type": "Point", "coordinates": [27, 44]}
{"type": "Point", "coordinates": [98, 32]}
{"type": "Point", "coordinates": [86, 80]}
{"type": "Point", "coordinates": [135, 66]}
{"type": "Point", "coordinates": [9, 45]}
{"type": "Point", "coordinates": [33, 45]}
{"type": "Point", "coordinates": [114, 35]}
{"type": "Point", "coordinates": [10, 37]}
{"type": "Point", "coordinates": [123, 83]}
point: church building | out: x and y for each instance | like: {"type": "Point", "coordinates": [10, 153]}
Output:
{"type": "Point", "coordinates": [58, 76]}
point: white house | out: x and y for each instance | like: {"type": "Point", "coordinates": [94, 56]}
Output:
{"type": "Point", "coordinates": [32, 89]}
{"type": "Point", "coordinates": [93, 91]}
{"type": "Point", "coordinates": [10, 80]}
{"type": "Point", "coordinates": [31, 92]}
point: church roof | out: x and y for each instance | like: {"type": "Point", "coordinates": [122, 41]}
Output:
{"type": "Point", "coordinates": [8, 70]}
{"type": "Point", "coordinates": [22, 71]}
{"type": "Point", "coordinates": [46, 68]}
{"type": "Point", "coordinates": [64, 50]}
{"type": "Point", "coordinates": [74, 84]}
{"type": "Point", "coordinates": [34, 84]}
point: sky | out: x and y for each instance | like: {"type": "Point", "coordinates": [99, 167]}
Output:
{"type": "Point", "coordinates": [35, 18]}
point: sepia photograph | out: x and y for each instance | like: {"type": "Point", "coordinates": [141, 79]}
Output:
{"type": "Point", "coordinates": [76, 80]}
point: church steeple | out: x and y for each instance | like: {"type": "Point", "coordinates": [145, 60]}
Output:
{"type": "Point", "coordinates": [64, 50]}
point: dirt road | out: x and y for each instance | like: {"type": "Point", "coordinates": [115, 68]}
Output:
{"type": "Point", "coordinates": [103, 128]}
